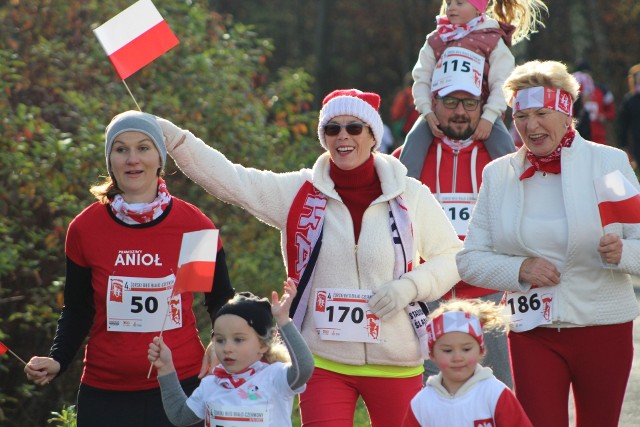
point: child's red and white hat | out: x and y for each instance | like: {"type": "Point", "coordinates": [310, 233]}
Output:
{"type": "Point", "coordinates": [454, 321]}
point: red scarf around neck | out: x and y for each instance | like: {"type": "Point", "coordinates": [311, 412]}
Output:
{"type": "Point", "coordinates": [550, 163]}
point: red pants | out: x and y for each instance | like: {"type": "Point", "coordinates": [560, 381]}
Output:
{"type": "Point", "coordinates": [594, 360]}
{"type": "Point", "coordinates": [330, 399]}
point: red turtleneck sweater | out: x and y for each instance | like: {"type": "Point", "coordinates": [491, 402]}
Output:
{"type": "Point", "coordinates": [358, 188]}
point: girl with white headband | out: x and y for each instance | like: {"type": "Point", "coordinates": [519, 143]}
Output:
{"type": "Point", "coordinates": [537, 232]}
{"type": "Point", "coordinates": [464, 393]}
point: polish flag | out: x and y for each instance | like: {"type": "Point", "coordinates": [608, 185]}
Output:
{"type": "Point", "coordinates": [197, 262]}
{"type": "Point", "coordinates": [618, 199]}
{"type": "Point", "coordinates": [135, 37]}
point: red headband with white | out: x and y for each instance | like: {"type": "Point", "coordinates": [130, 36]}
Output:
{"type": "Point", "coordinates": [543, 97]}
{"type": "Point", "coordinates": [351, 102]}
{"type": "Point", "coordinates": [454, 321]}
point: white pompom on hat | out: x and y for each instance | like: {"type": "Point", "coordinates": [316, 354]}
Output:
{"type": "Point", "coordinates": [352, 102]}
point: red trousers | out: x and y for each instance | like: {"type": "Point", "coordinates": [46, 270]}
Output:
{"type": "Point", "coordinates": [595, 361]}
{"type": "Point", "coordinates": [330, 399]}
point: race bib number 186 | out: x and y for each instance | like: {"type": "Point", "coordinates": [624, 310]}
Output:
{"type": "Point", "coordinates": [530, 309]}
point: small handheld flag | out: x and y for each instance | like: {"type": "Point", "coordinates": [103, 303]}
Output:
{"type": "Point", "coordinates": [4, 349]}
{"type": "Point", "coordinates": [618, 199]}
{"type": "Point", "coordinates": [196, 265]}
{"type": "Point", "coordinates": [197, 262]}
{"type": "Point", "coordinates": [135, 37]}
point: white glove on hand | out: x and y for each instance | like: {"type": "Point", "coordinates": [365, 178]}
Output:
{"type": "Point", "coordinates": [172, 133]}
{"type": "Point", "coordinates": [392, 297]}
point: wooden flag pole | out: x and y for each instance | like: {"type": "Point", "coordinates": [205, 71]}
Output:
{"type": "Point", "coordinates": [131, 94]}
{"type": "Point", "coordinates": [16, 356]}
{"type": "Point", "coordinates": [163, 323]}
{"type": "Point", "coordinates": [13, 354]}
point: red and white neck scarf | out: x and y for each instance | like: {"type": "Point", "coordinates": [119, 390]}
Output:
{"type": "Point", "coordinates": [230, 381]}
{"type": "Point", "coordinates": [304, 231]}
{"type": "Point", "coordinates": [550, 163]}
{"type": "Point", "coordinates": [141, 213]}
{"type": "Point", "coordinates": [449, 32]}
{"type": "Point", "coordinates": [454, 321]}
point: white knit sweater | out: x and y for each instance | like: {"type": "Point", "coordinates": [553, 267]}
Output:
{"type": "Point", "coordinates": [588, 294]}
{"type": "Point", "coordinates": [342, 264]}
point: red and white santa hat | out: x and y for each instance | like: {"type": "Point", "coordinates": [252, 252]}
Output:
{"type": "Point", "coordinates": [352, 102]}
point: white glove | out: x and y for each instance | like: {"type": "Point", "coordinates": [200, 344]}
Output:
{"type": "Point", "coordinates": [172, 133]}
{"type": "Point", "coordinates": [392, 297]}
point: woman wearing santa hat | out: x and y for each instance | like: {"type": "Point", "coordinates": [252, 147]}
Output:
{"type": "Point", "coordinates": [353, 231]}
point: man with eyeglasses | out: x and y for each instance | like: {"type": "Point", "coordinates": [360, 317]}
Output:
{"type": "Point", "coordinates": [452, 169]}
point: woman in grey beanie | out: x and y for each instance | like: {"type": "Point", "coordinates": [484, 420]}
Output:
{"type": "Point", "coordinates": [122, 255]}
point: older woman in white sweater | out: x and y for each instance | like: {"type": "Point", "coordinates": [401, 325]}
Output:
{"type": "Point", "coordinates": [354, 229]}
{"type": "Point", "coordinates": [536, 232]}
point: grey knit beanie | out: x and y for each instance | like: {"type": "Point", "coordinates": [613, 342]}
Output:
{"type": "Point", "coordinates": [135, 121]}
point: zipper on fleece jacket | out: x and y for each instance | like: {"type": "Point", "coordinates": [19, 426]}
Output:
{"type": "Point", "coordinates": [355, 254]}
{"type": "Point", "coordinates": [455, 171]}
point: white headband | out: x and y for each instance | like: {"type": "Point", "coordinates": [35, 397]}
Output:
{"type": "Point", "coordinates": [543, 97]}
{"type": "Point", "coordinates": [454, 321]}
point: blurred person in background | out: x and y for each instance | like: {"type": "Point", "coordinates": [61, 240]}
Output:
{"type": "Point", "coordinates": [598, 103]}
{"type": "Point", "coordinates": [629, 116]}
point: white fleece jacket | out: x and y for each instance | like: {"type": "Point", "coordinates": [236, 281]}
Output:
{"type": "Point", "coordinates": [341, 264]}
{"type": "Point", "coordinates": [588, 294]}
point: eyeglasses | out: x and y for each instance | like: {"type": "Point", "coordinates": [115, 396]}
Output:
{"type": "Point", "coordinates": [451, 103]}
{"type": "Point", "coordinates": [332, 129]}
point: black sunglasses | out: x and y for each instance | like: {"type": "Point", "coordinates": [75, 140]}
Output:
{"type": "Point", "coordinates": [451, 102]}
{"type": "Point", "coordinates": [332, 129]}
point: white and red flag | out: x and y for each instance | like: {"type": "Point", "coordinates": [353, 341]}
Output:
{"type": "Point", "coordinates": [197, 262]}
{"type": "Point", "coordinates": [135, 37]}
{"type": "Point", "coordinates": [618, 199]}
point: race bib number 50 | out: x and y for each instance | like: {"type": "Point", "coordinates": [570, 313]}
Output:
{"type": "Point", "coordinates": [139, 304]}
{"type": "Point", "coordinates": [345, 315]}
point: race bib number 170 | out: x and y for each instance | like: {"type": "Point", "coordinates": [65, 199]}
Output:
{"type": "Point", "coordinates": [345, 315]}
